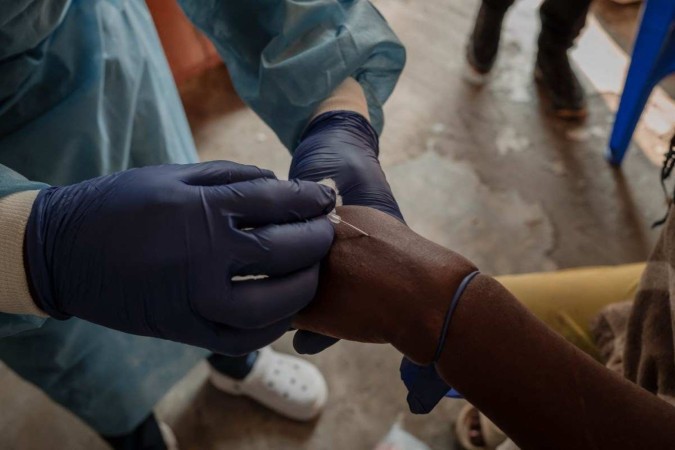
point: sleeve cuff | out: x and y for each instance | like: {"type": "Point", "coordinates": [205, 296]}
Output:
{"type": "Point", "coordinates": [15, 297]}
{"type": "Point", "coordinates": [348, 96]}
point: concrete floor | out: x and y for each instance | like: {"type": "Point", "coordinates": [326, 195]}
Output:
{"type": "Point", "coordinates": [486, 172]}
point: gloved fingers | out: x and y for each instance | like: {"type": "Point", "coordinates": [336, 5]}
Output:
{"type": "Point", "coordinates": [276, 250]}
{"type": "Point", "coordinates": [425, 387]}
{"type": "Point", "coordinates": [237, 342]}
{"type": "Point", "coordinates": [266, 201]}
{"type": "Point", "coordinates": [255, 304]}
{"type": "Point", "coordinates": [213, 173]}
{"type": "Point", "coordinates": [310, 343]}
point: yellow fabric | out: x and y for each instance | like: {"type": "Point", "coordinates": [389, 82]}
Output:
{"type": "Point", "coordinates": [567, 300]}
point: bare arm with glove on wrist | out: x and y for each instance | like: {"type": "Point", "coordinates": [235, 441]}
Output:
{"type": "Point", "coordinates": [396, 287]}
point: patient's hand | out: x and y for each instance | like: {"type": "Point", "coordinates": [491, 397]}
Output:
{"type": "Point", "coordinates": [393, 286]}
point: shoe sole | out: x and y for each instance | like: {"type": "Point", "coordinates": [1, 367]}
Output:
{"type": "Point", "coordinates": [471, 73]}
{"type": "Point", "coordinates": [473, 77]}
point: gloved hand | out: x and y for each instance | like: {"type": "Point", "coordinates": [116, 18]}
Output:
{"type": "Point", "coordinates": [343, 146]}
{"type": "Point", "coordinates": [152, 252]}
{"type": "Point", "coordinates": [425, 386]}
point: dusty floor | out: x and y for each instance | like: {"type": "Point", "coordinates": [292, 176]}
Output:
{"type": "Point", "coordinates": [484, 171]}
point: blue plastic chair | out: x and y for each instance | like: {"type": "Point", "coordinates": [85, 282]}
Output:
{"type": "Point", "coordinates": [653, 59]}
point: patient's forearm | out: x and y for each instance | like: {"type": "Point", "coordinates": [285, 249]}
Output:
{"type": "Point", "coordinates": [542, 391]}
{"type": "Point", "coordinates": [395, 286]}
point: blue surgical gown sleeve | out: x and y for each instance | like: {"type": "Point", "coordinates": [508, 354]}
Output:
{"type": "Point", "coordinates": [85, 90]}
{"type": "Point", "coordinates": [10, 183]}
{"type": "Point", "coordinates": [286, 56]}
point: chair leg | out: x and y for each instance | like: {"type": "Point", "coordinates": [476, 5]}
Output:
{"type": "Point", "coordinates": [649, 43]}
{"type": "Point", "coordinates": [666, 64]}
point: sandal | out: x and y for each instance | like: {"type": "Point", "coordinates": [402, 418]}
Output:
{"type": "Point", "coordinates": [475, 431]}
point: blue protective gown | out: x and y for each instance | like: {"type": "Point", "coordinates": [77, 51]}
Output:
{"type": "Point", "coordinates": [85, 90]}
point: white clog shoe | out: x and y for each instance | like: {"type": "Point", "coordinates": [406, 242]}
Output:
{"type": "Point", "coordinates": [286, 384]}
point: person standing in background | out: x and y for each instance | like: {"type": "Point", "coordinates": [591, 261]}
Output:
{"type": "Point", "coordinates": [561, 23]}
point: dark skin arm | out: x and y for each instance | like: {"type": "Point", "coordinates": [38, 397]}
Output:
{"type": "Point", "coordinates": [395, 287]}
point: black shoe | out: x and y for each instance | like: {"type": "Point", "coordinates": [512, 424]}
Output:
{"type": "Point", "coordinates": [481, 51]}
{"type": "Point", "coordinates": [556, 77]}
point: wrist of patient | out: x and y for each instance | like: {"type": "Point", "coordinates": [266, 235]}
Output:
{"type": "Point", "coordinates": [476, 327]}
{"type": "Point", "coordinates": [419, 338]}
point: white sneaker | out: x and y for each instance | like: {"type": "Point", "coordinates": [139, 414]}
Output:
{"type": "Point", "coordinates": [288, 385]}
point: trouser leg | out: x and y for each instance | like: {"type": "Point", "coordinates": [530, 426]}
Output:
{"type": "Point", "coordinates": [145, 436]}
{"type": "Point", "coordinates": [498, 5]}
{"type": "Point", "coordinates": [236, 367]}
{"type": "Point", "coordinates": [110, 380]}
{"type": "Point", "coordinates": [483, 42]}
{"type": "Point", "coordinates": [562, 21]}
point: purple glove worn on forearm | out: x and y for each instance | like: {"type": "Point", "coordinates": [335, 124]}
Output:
{"type": "Point", "coordinates": [152, 252]}
{"type": "Point", "coordinates": [342, 145]}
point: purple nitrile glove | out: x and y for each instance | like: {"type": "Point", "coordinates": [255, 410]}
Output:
{"type": "Point", "coordinates": [342, 145]}
{"type": "Point", "coordinates": [425, 387]}
{"type": "Point", "coordinates": [153, 252]}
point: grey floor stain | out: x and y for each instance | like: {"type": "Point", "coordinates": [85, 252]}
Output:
{"type": "Point", "coordinates": [444, 200]}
